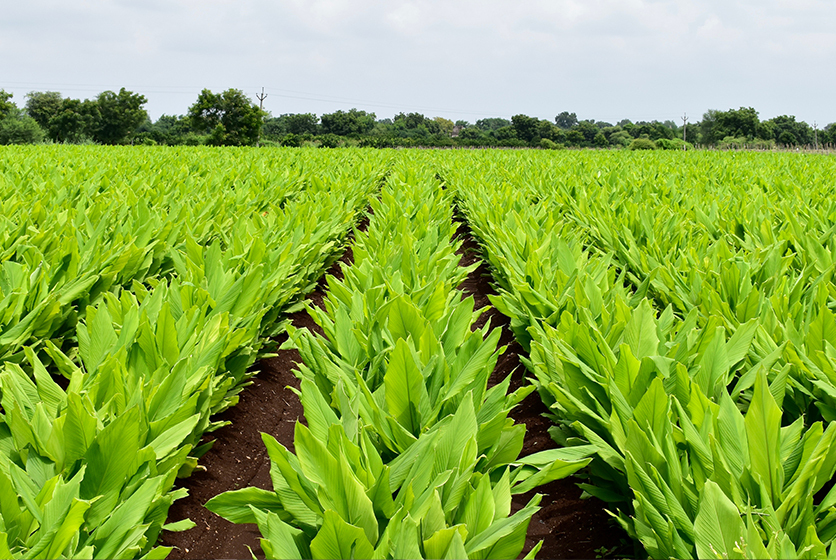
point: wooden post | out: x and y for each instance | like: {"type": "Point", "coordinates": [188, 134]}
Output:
{"type": "Point", "coordinates": [261, 97]}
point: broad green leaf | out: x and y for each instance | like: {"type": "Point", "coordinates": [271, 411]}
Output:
{"type": "Point", "coordinates": [403, 383]}
{"type": "Point", "coordinates": [640, 334]}
{"type": "Point", "coordinates": [237, 505]}
{"type": "Point", "coordinates": [763, 432]}
{"type": "Point", "coordinates": [718, 526]}
{"type": "Point", "coordinates": [338, 539]}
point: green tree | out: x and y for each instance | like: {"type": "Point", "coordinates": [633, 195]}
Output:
{"type": "Point", "coordinates": [446, 125]}
{"type": "Point", "coordinates": [600, 141]}
{"type": "Point", "coordinates": [547, 130]}
{"type": "Point", "coordinates": [566, 120]}
{"type": "Point", "coordinates": [765, 130]}
{"type": "Point", "coordinates": [229, 118]}
{"type": "Point", "coordinates": [707, 126]}
{"type": "Point", "coordinates": [16, 127]}
{"type": "Point", "coordinates": [642, 144]}
{"type": "Point", "coordinates": [505, 133]}
{"type": "Point", "coordinates": [740, 123]}
{"type": "Point", "coordinates": [526, 127]}
{"type": "Point", "coordinates": [472, 134]}
{"type": "Point", "coordinates": [302, 123]}
{"type": "Point", "coordinates": [119, 116]}
{"type": "Point", "coordinates": [653, 130]}
{"type": "Point", "coordinates": [75, 122]}
{"type": "Point", "coordinates": [575, 138]}
{"type": "Point", "coordinates": [415, 125]}
{"type": "Point", "coordinates": [351, 123]}
{"type": "Point", "coordinates": [6, 105]}
{"type": "Point", "coordinates": [828, 135]}
{"type": "Point", "coordinates": [589, 132]}
{"type": "Point", "coordinates": [790, 132]}
{"type": "Point", "coordinates": [493, 123]}
{"type": "Point", "coordinates": [43, 106]}
{"type": "Point", "coordinates": [169, 130]}
{"type": "Point", "coordinates": [620, 138]}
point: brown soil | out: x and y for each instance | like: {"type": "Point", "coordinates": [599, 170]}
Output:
{"type": "Point", "coordinates": [569, 527]}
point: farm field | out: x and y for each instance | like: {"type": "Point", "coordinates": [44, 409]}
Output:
{"type": "Point", "coordinates": [473, 338]}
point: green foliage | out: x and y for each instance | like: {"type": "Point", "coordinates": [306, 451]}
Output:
{"type": "Point", "coordinates": [229, 118]}
{"type": "Point", "coordinates": [642, 144]}
{"type": "Point", "coordinates": [566, 120]}
{"type": "Point", "coordinates": [19, 128]}
{"type": "Point", "coordinates": [674, 144]}
{"type": "Point", "coordinates": [620, 138]}
{"type": "Point", "coordinates": [329, 141]}
{"type": "Point", "coordinates": [731, 143]}
{"type": "Point", "coordinates": [492, 124]}
{"type": "Point", "coordinates": [6, 106]}
{"type": "Point", "coordinates": [43, 106]}
{"type": "Point", "coordinates": [737, 123]}
{"type": "Point", "coordinates": [119, 115]}
{"type": "Point", "coordinates": [600, 141]}
{"type": "Point", "coordinates": [790, 132]}
{"type": "Point", "coordinates": [506, 133]}
{"type": "Point", "coordinates": [351, 123]}
{"type": "Point", "coordinates": [547, 144]}
{"type": "Point", "coordinates": [415, 124]}
{"type": "Point", "coordinates": [525, 127]}
{"type": "Point", "coordinates": [75, 123]}
{"type": "Point", "coordinates": [303, 123]}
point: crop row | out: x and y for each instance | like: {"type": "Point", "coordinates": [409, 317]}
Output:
{"type": "Point", "coordinates": [133, 302]}
{"type": "Point", "coordinates": [407, 453]}
{"type": "Point", "coordinates": [686, 332]}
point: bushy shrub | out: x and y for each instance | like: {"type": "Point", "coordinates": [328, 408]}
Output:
{"type": "Point", "coordinates": [621, 139]}
{"type": "Point", "coordinates": [741, 143]}
{"type": "Point", "coordinates": [673, 144]}
{"type": "Point", "coordinates": [291, 140]}
{"type": "Point", "coordinates": [192, 139]}
{"type": "Point", "coordinates": [329, 141]}
{"type": "Point", "coordinates": [547, 144]}
{"type": "Point", "coordinates": [18, 128]}
{"type": "Point", "coordinates": [642, 144]}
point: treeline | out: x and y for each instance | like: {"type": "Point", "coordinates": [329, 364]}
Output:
{"type": "Point", "coordinates": [231, 119]}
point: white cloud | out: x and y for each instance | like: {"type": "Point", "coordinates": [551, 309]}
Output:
{"type": "Point", "coordinates": [604, 59]}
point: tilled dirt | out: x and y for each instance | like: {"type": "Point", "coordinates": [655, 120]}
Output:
{"type": "Point", "coordinates": [568, 526]}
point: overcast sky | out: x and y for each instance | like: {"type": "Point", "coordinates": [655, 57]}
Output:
{"type": "Point", "coordinates": [461, 59]}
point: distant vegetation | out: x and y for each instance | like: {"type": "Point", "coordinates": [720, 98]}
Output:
{"type": "Point", "coordinates": [231, 119]}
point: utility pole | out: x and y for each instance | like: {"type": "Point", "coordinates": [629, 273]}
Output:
{"type": "Point", "coordinates": [261, 97]}
{"type": "Point", "coordinates": [684, 127]}
{"type": "Point", "coordinates": [816, 134]}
